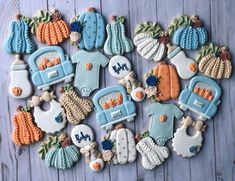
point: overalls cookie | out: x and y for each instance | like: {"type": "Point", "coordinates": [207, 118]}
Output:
{"type": "Point", "coordinates": [151, 41]}
{"type": "Point", "coordinates": [117, 43]}
{"type": "Point", "coordinates": [188, 32]}
{"type": "Point", "coordinates": [83, 137]}
{"type": "Point", "coordinates": [58, 152]}
{"type": "Point", "coordinates": [87, 70]}
{"type": "Point", "coordinates": [50, 121]}
{"type": "Point", "coordinates": [215, 62]}
{"type": "Point", "coordinates": [184, 144]}
{"type": "Point", "coordinates": [119, 146]}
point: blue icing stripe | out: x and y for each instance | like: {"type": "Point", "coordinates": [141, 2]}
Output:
{"type": "Point", "coordinates": [202, 35]}
{"type": "Point", "coordinates": [100, 36]}
{"type": "Point", "coordinates": [176, 36]}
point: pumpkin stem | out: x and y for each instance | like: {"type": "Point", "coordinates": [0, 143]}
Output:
{"type": "Point", "coordinates": [196, 22]}
{"type": "Point", "coordinates": [91, 9]}
{"type": "Point", "coordinates": [113, 18]}
{"type": "Point", "coordinates": [18, 16]}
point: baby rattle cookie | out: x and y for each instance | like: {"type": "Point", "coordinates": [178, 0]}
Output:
{"type": "Point", "coordinates": [188, 32]}
{"type": "Point", "coordinates": [19, 42]}
{"type": "Point", "coordinates": [49, 66]}
{"type": "Point", "coordinates": [83, 137]}
{"type": "Point", "coordinates": [151, 41]}
{"type": "Point", "coordinates": [185, 145]}
{"type": "Point", "coordinates": [117, 43]}
{"type": "Point", "coordinates": [201, 96]}
{"type": "Point", "coordinates": [88, 30]}
{"type": "Point", "coordinates": [119, 146]}
{"type": "Point", "coordinates": [186, 67]}
{"type": "Point", "coordinates": [58, 152]}
{"type": "Point", "coordinates": [50, 121]}
{"type": "Point", "coordinates": [215, 62]}
{"type": "Point", "coordinates": [20, 87]}
{"type": "Point", "coordinates": [25, 132]}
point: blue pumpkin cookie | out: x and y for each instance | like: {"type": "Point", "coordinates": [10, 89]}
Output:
{"type": "Point", "coordinates": [188, 32]}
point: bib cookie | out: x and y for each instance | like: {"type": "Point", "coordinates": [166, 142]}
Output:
{"type": "Point", "coordinates": [215, 62]}
{"type": "Point", "coordinates": [50, 121]}
{"type": "Point", "coordinates": [202, 96]}
{"type": "Point", "coordinates": [112, 105]}
{"type": "Point", "coordinates": [117, 43]}
{"type": "Point", "coordinates": [188, 32]}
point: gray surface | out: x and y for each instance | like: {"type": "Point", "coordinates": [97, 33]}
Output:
{"type": "Point", "coordinates": [216, 159]}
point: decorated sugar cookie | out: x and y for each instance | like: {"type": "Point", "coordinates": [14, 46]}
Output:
{"type": "Point", "coordinates": [162, 82]}
{"type": "Point", "coordinates": [58, 152]}
{"type": "Point", "coordinates": [117, 43]}
{"type": "Point", "coordinates": [49, 66]}
{"type": "Point", "coordinates": [88, 70]}
{"type": "Point", "coordinates": [188, 32]}
{"type": "Point", "coordinates": [49, 27]}
{"type": "Point", "coordinates": [77, 108]}
{"type": "Point", "coordinates": [20, 87]}
{"type": "Point", "coordinates": [119, 146]}
{"type": "Point", "coordinates": [52, 120]}
{"type": "Point", "coordinates": [25, 131]}
{"type": "Point", "coordinates": [18, 41]}
{"type": "Point", "coordinates": [215, 62]}
{"type": "Point", "coordinates": [186, 67]}
{"type": "Point", "coordinates": [112, 105]}
{"type": "Point", "coordinates": [88, 30]}
{"type": "Point", "coordinates": [151, 41]}
{"type": "Point", "coordinates": [184, 144]}
{"type": "Point", "coordinates": [83, 137]}
{"type": "Point", "coordinates": [201, 96]}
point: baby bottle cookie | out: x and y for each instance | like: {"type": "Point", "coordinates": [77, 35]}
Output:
{"type": "Point", "coordinates": [20, 86]}
{"type": "Point", "coordinates": [215, 62]}
{"type": "Point", "coordinates": [117, 43]}
{"type": "Point", "coordinates": [184, 144]}
{"type": "Point", "coordinates": [83, 137]}
{"type": "Point", "coordinates": [151, 41]}
{"type": "Point", "coordinates": [58, 152]}
{"type": "Point", "coordinates": [188, 32]}
{"type": "Point", "coordinates": [50, 121]}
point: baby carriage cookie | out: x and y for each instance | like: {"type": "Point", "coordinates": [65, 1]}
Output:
{"type": "Point", "coordinates": [188, 32]}
{"type": "Point", "coordinates": [50, 66]}
{"type": "Point", "coordinates": [112, 105]}
{"type": "Point", "coordinates": [201, 96]}
{"type": "Point", "coordinates": [58, 152]}
{"type": "Point", "coordinates": [119, 146]}
{"type": "Point", "coordinates": [50, 121]}
{"type": "Point", "coordinates": [185, 145]}
{"type": "Point", "coordinates": [20, 87]}
{"type": "Point", "coordinates": [117, 43]}
{"type": "Point", "coordinates": [215, 62]}
{"type": "Point", "coordinates": [151, 41]}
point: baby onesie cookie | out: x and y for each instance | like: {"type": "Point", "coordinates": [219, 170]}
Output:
{"type": "Point", "coordinates": [18, 41]}
{"type": "Point", "coordinates": [151, 41]}
{"type": "Point", "coordinates": [162, 121]}
{"type": "Point", "coordinates": [184, 144]}
{"type": "Point", "coordinates": [188, 32]}
{"type": "Point", "coordinates": [186, 67]}
{"type": "Point", "coordinates": [25, 132]}
{"type": "Point", "coordinates": [20, 87]}
{"type": "Point", "coordinates": [119, 146]}
{"type": "Point", "coordinates": [50, 121]}
{"type": "Point", "coordinates": [83, 137]}
{"type": "Point", "coordinates": [58, 152]}
{"type": "Point", "coordinates": [162, 82]}
{"type": "Point", "coordinates": [88, 30]}
{"type": "Point", "coordinates": [50, 66]}
{"type": "Point", "coordinates": [49, 27]}
{"type": "Point", "coordinates": [117, 43]}
{"type": "Point", "coordinates": [76, 108]}
{"type": "Point", "coordinates": [112, 105]}
{"type": "Point", "coordinates": [152, 154]}
{"type": "Point", "coordinates": [201, 96]}
{"type": "Point", "coordinates": [215, 62]}
{"type": "Point", "coordinates": [87, 70]}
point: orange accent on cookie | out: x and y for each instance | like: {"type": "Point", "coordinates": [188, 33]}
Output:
{"type": "Point", "coordinates": [56, 61]}
{"type": "Point", "coordinates": [163, 118]}
{"type": "Point", "coordinates": [50, 64]}
{"type": "Point", "coordinates": [89, 66]}
{"type": "Point", "coordinates": [139, 94]}
{"type": "Point", "coordinates": [105, 106]}
{"type": "Point", "coordinates": [119, 99]}
{"type": "Point", "coordinates": [193, 67]}
{"type": "Point", "coordinates": [112, 103]}
{"type": "Point", "coordinates": [97, 166]}
{"type": "Point", "coordinates": [17, 91]}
